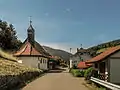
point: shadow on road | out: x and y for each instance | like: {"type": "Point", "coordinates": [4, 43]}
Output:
{"type": "Point", "coordinates": [57, 70]}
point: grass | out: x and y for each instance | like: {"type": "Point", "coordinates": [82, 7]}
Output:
{"type": "Point", "coordinates": [93, 87]}
{"type": "Point", "coordinates": [101, 50]}
{"type": "Point", "coordinates": [13, 68]}
{"type": "Point", "coordinates": [6, 55]}
{"type": "Point", "coordinates": [8, 67]}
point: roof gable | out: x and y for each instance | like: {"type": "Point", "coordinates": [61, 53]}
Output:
{"type": "Point", "coordinates": [30, 50]}
{"type": "Point", "coordinates": [105, 54]}
{"type": "Point", "coordinates": [83, 65]}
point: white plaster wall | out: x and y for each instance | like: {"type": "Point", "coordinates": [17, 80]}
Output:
{"type": "Point", "coordinates": [117, 54]}
{"type": "Point", "coordinates": [74, 61]}
{"type": "Point", "coordinates": [71, 64]}
{"type": "Point", "coordinates": [34, 61]}
{"type": "Point", "coordinates": [30, 61]}
{"type": "Point", "coordinates": [115, 70]}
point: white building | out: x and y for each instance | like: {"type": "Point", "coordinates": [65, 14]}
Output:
{"type": "Point", "coordinates": [80, 55]}
{"type": "Point", "coordinates": [32, 53]}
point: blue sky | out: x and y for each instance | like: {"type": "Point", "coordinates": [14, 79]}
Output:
{"type": "Point", "coordinates": [65, 23]}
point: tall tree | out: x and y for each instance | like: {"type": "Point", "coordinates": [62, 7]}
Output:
{"type": "Point", "coordinates": [8, 38]}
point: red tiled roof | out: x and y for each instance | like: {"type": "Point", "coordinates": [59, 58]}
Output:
{"type": "Point", "coordinates": [52, 57]}
{"type": "Point", "coordinates": [104, 54]}
{"type": "Point", "coordinates": [28, 49]}
{"type": "Point", "coordinates": [83, 65]}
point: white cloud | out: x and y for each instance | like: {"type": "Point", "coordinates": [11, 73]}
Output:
{"type": "Point", "coordinates": [67, 10]}
{"type": "Point", "coordinates": [61, 46]}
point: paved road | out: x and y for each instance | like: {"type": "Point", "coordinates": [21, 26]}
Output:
{"type": "Point", "coordinates": [57, 81]}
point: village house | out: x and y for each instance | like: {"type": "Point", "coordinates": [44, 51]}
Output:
{"type": "Point", "coordinates": [80, 56]}
{"type": "Point", "coordinates": [83, 65]}
{"type": "Point", "coordinates": [108, 65]}
{"type": "Point", "coordinates": [32, 53]}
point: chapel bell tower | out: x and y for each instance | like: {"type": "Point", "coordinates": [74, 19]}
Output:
{"type": "Point", "coordinates": [31, 33]}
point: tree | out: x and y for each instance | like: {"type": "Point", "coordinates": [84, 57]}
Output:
{"type": "Point", "coordinates": [8, 38]}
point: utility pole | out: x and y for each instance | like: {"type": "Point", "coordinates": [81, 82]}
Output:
{"type": "Point", "coordinates": [70, 50]}
{"type": "Point", "coordinates": [69, 60]}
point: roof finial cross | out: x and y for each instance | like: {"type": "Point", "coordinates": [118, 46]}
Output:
{"type": "Point", "coordinates": [30, 20]}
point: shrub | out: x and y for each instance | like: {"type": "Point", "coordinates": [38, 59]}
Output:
{"type": "Point", "coordinates": [88, 73]}
{"type": "Point", "coordinates": [77, 73]}
{"type": "Point", "coordinates": [101, 88]}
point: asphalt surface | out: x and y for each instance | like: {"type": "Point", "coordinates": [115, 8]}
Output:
{"type": "Point", "coordinates": [57, 80]}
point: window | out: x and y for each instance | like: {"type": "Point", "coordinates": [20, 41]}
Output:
{"type": "Point", "coordinates": [41, 61]}
{"type": "Point", "coordinates": [96, 65]}
{"type": "Point", "coordinates": [72, 61]}
{"type": "Point", "coordinates": [39, 65]}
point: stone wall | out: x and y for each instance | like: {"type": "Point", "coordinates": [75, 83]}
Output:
{"type": "Point", "coordinates": [9, 82]}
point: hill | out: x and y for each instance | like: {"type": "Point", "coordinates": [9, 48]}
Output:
{"type": "Point", "coordinates": [57, 52]}
{"type": "Point", "coordinates": [95, 50]}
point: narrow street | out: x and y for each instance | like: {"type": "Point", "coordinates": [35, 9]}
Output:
{"type": "Point", "coordinates": [57, 80]}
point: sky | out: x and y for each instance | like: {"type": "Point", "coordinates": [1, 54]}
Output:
{"type": "Point", "coordinates": [65, 24]}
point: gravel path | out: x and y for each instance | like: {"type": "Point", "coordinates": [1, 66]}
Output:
{"type": "Point", "coordinates": [57, 81]}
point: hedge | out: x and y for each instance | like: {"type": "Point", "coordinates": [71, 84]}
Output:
{"type": "Point", "coordinates": [77, 72]}
{"type": "Point", "coordinates": [88, 73]}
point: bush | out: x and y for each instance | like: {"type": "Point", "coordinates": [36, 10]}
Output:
{"type": "Point", "coordinates": [74, 67]}
{"type": "Point", "coordinates": [101, 88]}
{"type": "Point", "coordinates": [88, 73]}
{"type": "Point", "coordinates": [77, 72]}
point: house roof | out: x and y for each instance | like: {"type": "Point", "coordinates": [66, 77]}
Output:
{"type": "Point", "coordinates": [81, 50]}
{"type": "Point", "coordinates": [28, 49]}
{"type": "Point", "coordinates": [83, 65]}
{"type": "Point", "coordinates": [105, 54]}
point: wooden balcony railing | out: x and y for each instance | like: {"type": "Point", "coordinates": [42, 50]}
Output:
{"type": "Point", "coordinates": [103, 76]}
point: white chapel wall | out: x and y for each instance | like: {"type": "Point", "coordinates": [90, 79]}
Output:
{"type": "Point", "coordinates": [30, 61]}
